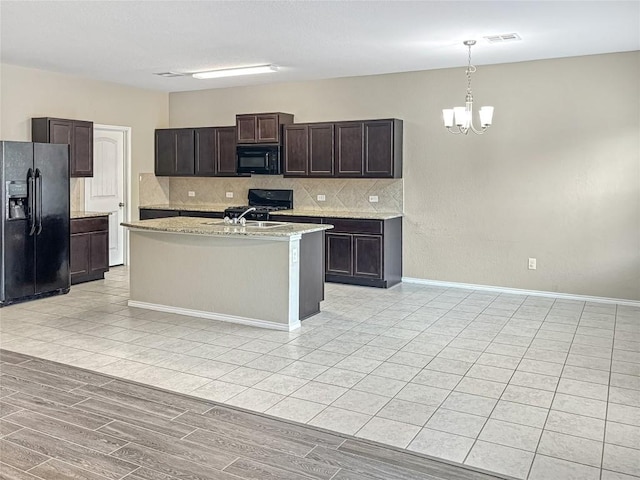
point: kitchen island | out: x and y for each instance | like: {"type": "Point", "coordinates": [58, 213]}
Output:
{"type": "Point", "coordinates": [266, 274]}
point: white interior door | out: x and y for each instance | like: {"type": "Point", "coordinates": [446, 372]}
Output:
{"type": "Point", "coordinates": [105, 191]}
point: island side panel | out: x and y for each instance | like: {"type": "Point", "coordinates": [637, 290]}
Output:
{"type": "Point", "coordinates": [311, 273]}
{"type": "Point", "coordinates": [241, 277]}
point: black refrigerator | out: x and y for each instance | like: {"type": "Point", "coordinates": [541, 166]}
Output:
{"type": "Point", "coordinates": [34, 228]}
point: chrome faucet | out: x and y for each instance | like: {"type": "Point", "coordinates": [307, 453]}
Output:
{"type": "Point", "coordinates": [241, 220]}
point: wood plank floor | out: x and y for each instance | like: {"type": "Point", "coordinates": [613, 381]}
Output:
{"type": "Point", "coordinates": [61, 422]}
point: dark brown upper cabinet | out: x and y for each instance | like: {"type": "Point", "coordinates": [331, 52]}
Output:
{"type": "Point", "coordinates": [78, 134]}
{"type": "Point", "coordinates": [296, 150]}
{"type": "Point", "coordinates": [371, 148]}
{"type": "Point", "coordinates": [175, 150]}
{"type": "Point", "coordinates": [308, 150]}
{"type": "Point", "coordinates": [226, 151]}
{"type": "Point", "coordinates": [200, 152]}
{"type": "Point", "coordinates": [349, 149]}
{"type": "Point", "coordinates": [215, 151]}
{"type": "Point", "coordinates": [261, 127]}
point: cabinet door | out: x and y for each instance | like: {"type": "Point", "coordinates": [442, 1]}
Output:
{"type": "Point", "coordinates": [60, 131]}
{"type": "Point", "coordinates": [268, 129]}
{"type": "Point", "coordinates": [296, 150]}
{"type": "Point", "coordinates": [81, 164]}
{"type": "Point", "coordinates": [185, 151]}
{"type": "Point", "coordinates": [246, 128]}
{"type": "Point", "coordinates": [321, 150]}
{"type": "Point", "coordinates": [349, 149]}
{"type": "Point", "coordinates": [79, 249]}
{"type": "Point", "coordinates": [226, 151]}
{"type": "Point", "coordinates": [165, 152]}
{"type": "Point", "coordinates": [367, 256]}
{"type": "Point", "coordinates": [338, 253]}
{"type": "Point", "coordinates": [175, 151]}
{"type": "Point", "coordinates": [99, 259]}
{"type": "Point", "coordinates": [205, 152]}
{"type": "Point", "coordinates": [378, 149]}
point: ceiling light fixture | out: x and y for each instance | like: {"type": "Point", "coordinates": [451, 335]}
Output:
{"type": "Point", "coordinates": [463, 116]}
{"type": "Point", "coordinates": [233, 72]}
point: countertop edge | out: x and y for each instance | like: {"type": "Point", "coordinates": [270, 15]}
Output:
{"type": "Point", "coordinates": [77, 214]}
{"type": "Point", "coordinates": [164, 226]}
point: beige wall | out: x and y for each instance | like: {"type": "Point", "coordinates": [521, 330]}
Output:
{"type": "Point", "coordinates": [27, 93]}
{"type": "Point", "coordinates": [557, 177]}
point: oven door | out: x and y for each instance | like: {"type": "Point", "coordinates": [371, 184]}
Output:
{"type": "Point", "coordinates": [264, 160]}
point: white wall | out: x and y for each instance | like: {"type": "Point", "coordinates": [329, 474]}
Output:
{"type": "Point", "coordinates": [556, 178]}
{"type": "Point", "coordinates": [27, 93]}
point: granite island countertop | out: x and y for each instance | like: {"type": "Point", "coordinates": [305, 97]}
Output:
{"type": "Point", "coordinates": [215, 227]}
{"type": "Point", "coordinates": [219, 207]}
{"type": "Point", "coordinates": [87, 214]}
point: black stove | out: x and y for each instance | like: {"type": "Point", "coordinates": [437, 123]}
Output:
{"type": "Point", "coordinates": [264, 202]}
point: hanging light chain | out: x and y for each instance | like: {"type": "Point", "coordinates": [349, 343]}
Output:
{"type": "Point", "coordinates": [470, 68]}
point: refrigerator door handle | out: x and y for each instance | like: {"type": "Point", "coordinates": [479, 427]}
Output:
{"type": "Point", "coordinates": [38, 178]}
{"type": "Point", "coordinates": [31, 194]}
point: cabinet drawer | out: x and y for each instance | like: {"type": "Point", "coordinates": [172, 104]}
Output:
{"type": "Point", "coordinates": [149, 213]}
{"type": "Point", "coordinates": [195, 213]}
{"type": "Point", "coordinates": [84, 225]}
{"type": "Point", "coordinates": [354, 226]}
{"type": "Point", "coordinates": [295, 219]}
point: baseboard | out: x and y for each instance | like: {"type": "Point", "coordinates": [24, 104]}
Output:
{"type": "Point", "coordinates": [252, 322]}
{"type": "Point", "coordinates": [519, 291]}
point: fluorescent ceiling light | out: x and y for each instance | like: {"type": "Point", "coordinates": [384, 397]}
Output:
{"type": "Point", "coordinates": [233, 72]}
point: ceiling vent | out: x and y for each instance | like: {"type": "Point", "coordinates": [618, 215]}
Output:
{"type": "Point", "coordinates": [169, 74]}
{"type": "Point", "coordinates": [504, 38]}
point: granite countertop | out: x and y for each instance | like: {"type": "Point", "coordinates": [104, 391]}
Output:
{"type": "Point", "coordinates": [215, 227]}
{"type": "Point", "coordinates": [86, 214]}
{"type": "Point", "coordinates": [220, 207]}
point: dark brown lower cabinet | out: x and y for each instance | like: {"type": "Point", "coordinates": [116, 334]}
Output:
{"type": "Point", "coordinates": [339, 248]}
{"type": "Point", "coordinates": [89, 249]}
{"type": "Point", "coordinates": [367, 256]}
{"type": "Point", "coordinates": [358, 251]}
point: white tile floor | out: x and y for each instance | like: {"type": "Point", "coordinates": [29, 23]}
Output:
{"type": "Point", "coordinates": [531, 387]}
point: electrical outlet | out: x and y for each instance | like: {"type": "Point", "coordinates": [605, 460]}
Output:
{"type": "Point", "coordinates": [373, 198]}
{"type": "Point", "coordinates": [294, 255]}
{"type": "Point", "coordinates": [321, 198]}
{"type": "Point", "coordinates": [532, 264]}
{"type": "Point", "coordinates": [229, 194]}
{"type": "Point", "coordinates": [191, 194]}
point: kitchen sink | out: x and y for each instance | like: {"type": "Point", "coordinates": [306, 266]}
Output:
{"type": "Point", "coordinates": [249, 223]}
{"type": "Point", "coordinates": [264, 224]}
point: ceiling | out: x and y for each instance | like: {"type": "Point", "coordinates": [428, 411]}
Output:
{"type": "Point", "coordinates": [128, 41]}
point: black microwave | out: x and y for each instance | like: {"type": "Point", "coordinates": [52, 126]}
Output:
{"type": "Point", "coordinates": [260, 159]}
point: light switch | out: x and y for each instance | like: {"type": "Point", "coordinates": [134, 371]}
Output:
{"type": "Point", "coordinates": [321, 198]}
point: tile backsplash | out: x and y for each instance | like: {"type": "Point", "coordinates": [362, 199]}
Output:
{"type": "Point", "coordinates": [153, 190]}
{"type": "Point", "coordinates": [76, 194]}
{"type": "Point", "coordinates": [341, 194]}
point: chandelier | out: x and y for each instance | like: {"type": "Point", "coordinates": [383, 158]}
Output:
{"type": "Point", "coordinates": [462, 117]}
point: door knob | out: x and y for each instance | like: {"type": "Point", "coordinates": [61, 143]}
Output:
{"type": "Point", "coordinates": [121, 204]}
